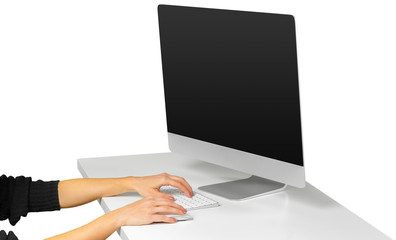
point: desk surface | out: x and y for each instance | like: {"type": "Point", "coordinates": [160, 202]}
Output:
{"type": "Point", "coordinates": [291, 214]}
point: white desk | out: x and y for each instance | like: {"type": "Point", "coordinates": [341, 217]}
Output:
{"type": "Point", "coordinates": [292, 214]}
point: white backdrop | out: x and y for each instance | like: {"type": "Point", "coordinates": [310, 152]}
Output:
{"type": "Point", "coordinates": [83, 78]}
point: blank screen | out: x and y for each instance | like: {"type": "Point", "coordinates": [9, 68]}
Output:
{"type": "Point", "coordinates": [230, 78]}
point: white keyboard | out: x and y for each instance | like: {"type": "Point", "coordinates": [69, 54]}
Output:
{"type": "Point", "coordinates": [198, 201]}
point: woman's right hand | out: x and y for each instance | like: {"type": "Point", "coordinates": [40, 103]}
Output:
{"type": "Point", "coordinates": [147, 210]}
{"type": "Point", "coordinates": [144, 211]}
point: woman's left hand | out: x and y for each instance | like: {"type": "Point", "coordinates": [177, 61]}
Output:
{"type": "Point", "coordinates": [150, 186]}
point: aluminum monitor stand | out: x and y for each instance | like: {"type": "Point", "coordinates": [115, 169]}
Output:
{"type": "Point", "coordinates": [244, 189]}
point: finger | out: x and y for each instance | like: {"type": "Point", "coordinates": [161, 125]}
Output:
{"type": "Point", "coordinates": [163, 195]}
{"type": "Point", "coordinates": [184, 182]}
{"type": "Point", "coordinates": [169, 210]}
{"type": "Point", "coordinates": [180, 186]}
{"type": "Point", "coordinates": [163, 218]}
{"type": "Point", "coordinates": [165, 202]}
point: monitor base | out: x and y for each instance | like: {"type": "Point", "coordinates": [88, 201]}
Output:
{"type": "Point", "coordinates": [244, 189]}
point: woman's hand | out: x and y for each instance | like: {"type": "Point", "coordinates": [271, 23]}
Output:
{"type": "Point", "coordinates": [146, 211]}
{"type": "Point", "coordinates": [76, 192]}
{"type": "Point", "coordinates": [150, 185]}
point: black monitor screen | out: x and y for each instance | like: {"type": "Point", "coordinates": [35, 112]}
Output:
{"type": "Point", "coordinates": [230, 78]}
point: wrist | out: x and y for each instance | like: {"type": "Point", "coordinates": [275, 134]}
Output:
{"type": "Point", "coordinates": [120, 216]}
{"type": "Point", "coordinates": [114, 219]}
{"type": "Point", "coordinates": [115, 186]}
{"type": "Point", "coordinates": [129, 183]}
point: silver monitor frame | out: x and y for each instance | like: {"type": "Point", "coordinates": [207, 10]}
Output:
{"type": "Point", "coordinates": [269, 175]}
{"type": "Point", "coordinates": [260, 167]}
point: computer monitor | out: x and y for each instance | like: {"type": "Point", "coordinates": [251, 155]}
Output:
{"type": "Point", "coordinates": [232, 95]}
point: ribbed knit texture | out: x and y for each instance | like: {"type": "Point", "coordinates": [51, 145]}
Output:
{"type": "Point", "coordinates": [43, 196]}
{"type": "Point", "coordinates": [21, 195]}
{"type": "Point", "coordinates": [14, 198]}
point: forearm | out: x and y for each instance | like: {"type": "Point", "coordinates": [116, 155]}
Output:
{"type": "Point", "coordinates": [76, 192]}
{"type": "Point", "coordinates": [100, 228]}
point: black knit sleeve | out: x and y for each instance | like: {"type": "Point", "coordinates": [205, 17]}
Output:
{"type": "Point", "coordinates": [3, 235]}
{"type": "Point", "coordinates": [21, 195]}
{"type": "Point", "coordinates": [14, 198]}
{"type": "Point", "coordinates": [10, 236]}
{"type": "Point", "coordinates": [43, 196]}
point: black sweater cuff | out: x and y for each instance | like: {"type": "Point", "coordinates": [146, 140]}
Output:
{"type": "Point", "coordinates": [43, 196]}
{"type": "Point", "coordinates": [21, 195]}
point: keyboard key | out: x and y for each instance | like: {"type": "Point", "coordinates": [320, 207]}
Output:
{"type": "Point", "coordinates": [198, 201]}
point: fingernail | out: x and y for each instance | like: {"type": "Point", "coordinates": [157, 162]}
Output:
{"type": "Point", "coordinates": [172, 198]}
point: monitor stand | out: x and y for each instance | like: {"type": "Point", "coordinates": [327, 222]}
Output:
{"type": "Point", "coordinates": [244, 189]}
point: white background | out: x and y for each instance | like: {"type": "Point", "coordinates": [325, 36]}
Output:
{"type": "Point", "coordinates": [83, 79]}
